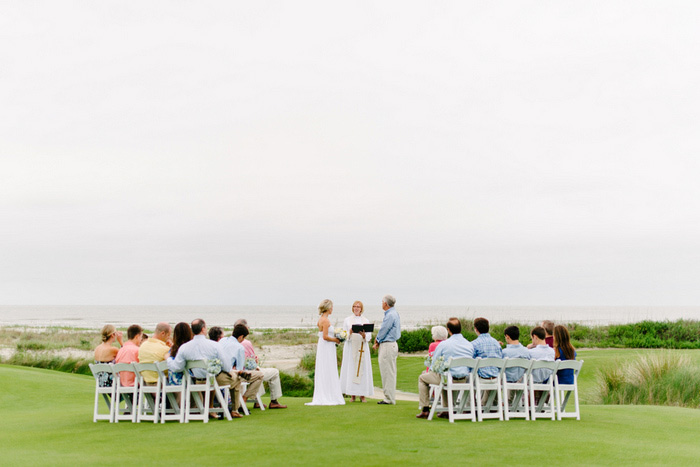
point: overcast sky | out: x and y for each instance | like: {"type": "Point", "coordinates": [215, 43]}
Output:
{"type": "Point", "coordinates": [223, 153]}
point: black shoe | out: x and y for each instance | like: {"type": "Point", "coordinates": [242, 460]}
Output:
{"type": "Point", "coordinates": [384, 403]}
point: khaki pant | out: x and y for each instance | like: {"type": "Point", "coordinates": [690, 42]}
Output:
{"type": "Point", "coordinates": [233, 382]}
{"type": "Point", "coordinates": [272, 376]}
{"type": "Point", "coordinates": [424, 382]}
{"type": "Point", "coordinates": [388, 351]}
{"type": "Point", "coordinates": [254, 383]}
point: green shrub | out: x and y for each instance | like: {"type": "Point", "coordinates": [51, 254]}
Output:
{"type": "Point", "coordinates": [681, 334]}
{"type": "Point", "coordinates": [414, 341]}
{"type": "Point", "coordinates": [296, 385]}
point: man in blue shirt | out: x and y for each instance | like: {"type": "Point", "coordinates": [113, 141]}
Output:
{"type": "Point", "coordinates": [514, 349]}
{"type": "Point", "coordinates": [454, 347]}
{"type": "Point", "coordinates": [486, 346]}
{"type": "Point", "coordinates": [234, 355]}
{"type": "Point", "coordinates": [388, 334]}
{"type": "Point", "coordinates": [540, 351]}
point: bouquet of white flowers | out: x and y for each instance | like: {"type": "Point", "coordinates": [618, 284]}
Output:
{"type": "Point", "coordinates": [251, 364]}
{"type": "Point", "coordinates": [428, 362]}
{"type": "Point", "coordinates": [341, 334]}
{"type": "Point", "coordinates": [214, 366]}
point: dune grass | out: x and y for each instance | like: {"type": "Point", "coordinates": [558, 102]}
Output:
{"type": "Point", "coordinates": [47, 420]}
{"type": "Point", "coordinates": [51, 338]}
{"type": "Point", "coordinates": [656, 379]}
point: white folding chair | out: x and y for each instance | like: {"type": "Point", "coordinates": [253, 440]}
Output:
{"type": "Point", "coordinates": [519, 406]}
{"type": "Point", "coordinates": [107, 392]}
{"type": "Point", "coordinates": [176, 411]}
{"type": "Point", "coordinates": [258, 396]}
{"type": "Point", "coordinates": [192, 392]}
{"type": "Point", "coordinates": [565, 390]}
{"type": "Point", "coordinates": [241, 401]}
{"type": "Point", "coordinates": [546, 405]}
{"type": "Point", "coordinates": [128, 394]}
{"type": "Point", "coordinates": [258, 399]}
{"type": "Point", "coordinates": [493, 386]}
{"type": "Point", "coordinates": [460, 406]}
{"type": "Point", "coordinates": [149, 395]}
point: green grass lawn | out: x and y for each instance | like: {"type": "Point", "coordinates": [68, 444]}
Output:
{"type": "Point", "coordinates": [46, 419]}
{"type": "Point", "coordinates": [408, 368]}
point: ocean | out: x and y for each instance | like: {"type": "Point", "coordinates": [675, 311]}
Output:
{"type": "Point", "coordinates": [260, 316]}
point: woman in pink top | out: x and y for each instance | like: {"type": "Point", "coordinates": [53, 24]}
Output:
{"type": "Point", "coordinates": [439, 334]}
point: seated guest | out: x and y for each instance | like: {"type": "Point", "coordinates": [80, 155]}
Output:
{"type": "Point", "coordinates": [154, 350]}
{"type": "Point", "coordinates": [514, 349]}
{"type": "Point", "coordinates": [439, 334]}
{"type": "Point", "coordinates": [129, 353]}
{"type": "Point", "coordinates": [540, 351]}
{"type": "Point", "coordinates": [454, 347]}
{"type": "Point", "coordinates": [247, 345]}
{"type": "Point", "coordinates": [181, 333]}
{"type": "Point", "coordinates": [106, 352]}
{"type": "Point", "coordinates": [216, 333]}
{"type": "Point", "coordinates": [201, 348]}
{"type": "Point", "coordinates": [486, 346]}
{"type": "Point", "coordinates": [548, 329]}
{"type": "Point", "coordinates": [144, 338]}
{"type": "Point", "coordinates": [234, 351]}
{"type": "Point", "coordinates": [563, 350]}
{"type": "Point", "coordinates": [270, 375]}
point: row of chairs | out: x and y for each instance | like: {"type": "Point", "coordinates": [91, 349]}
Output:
{"type": "Point", "coordinates": [147, 402]}
{"type": "Point", "coordinates": [502, 399]}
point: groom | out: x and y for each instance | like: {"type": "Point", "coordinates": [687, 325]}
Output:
{"type": "Point", "coordinates": [387, 336]}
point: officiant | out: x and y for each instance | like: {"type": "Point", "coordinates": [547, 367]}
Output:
{"type": "Point", "coordinates": [356, 370]}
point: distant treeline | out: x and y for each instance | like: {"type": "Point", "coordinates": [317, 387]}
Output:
{"type": "Point", "coordinates": [681, 334]}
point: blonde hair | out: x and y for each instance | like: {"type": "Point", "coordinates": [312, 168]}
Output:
{"type": "Point", "coordinates": [362, 306]}
{"type": "Point", "coordinates": [107, 332]}
{"type": "Point", "coordinates": [325, 305]}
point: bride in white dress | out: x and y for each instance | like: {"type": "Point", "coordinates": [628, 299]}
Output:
{"type": "Point", "coordinates": [326, 381]}
{"type": "Point", "coordinates": [356, 371]}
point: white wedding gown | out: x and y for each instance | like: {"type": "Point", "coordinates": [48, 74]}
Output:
{"type": "Point", "coordinates": [326, 381]}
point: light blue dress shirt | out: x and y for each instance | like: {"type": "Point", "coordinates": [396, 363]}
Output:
{"type": "Point", "coordinates": [199, 348]}
{"type": "Point", "coordinates": [391, 327]}
{"type": "Point", "coordinates": [234, 353]}
{"type": "Point", "coordinates": [541, 352]}
{"type": "Point", "coordinates": [455, 347]}
{"type": "Point", "coordinates": [513, 375]}
{"type": "Point", "coordinates": [486, 346]}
